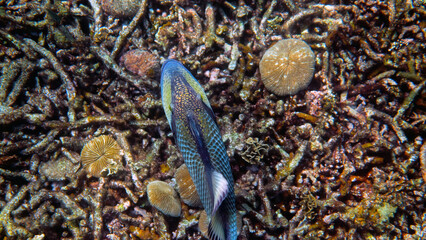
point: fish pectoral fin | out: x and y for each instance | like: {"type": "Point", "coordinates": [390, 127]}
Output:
{"type": "Point", "coordinates": [216, 228]}
{"type": "Point", "coordinates": [220, 189]}
{"type": "Point", "coordinates": [197, 135]}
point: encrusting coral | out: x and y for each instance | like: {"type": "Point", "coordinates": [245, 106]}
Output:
{"type": "Point", "coordinates": [140, 62]}
{"type": "Point", "coordinates": [120, 8]}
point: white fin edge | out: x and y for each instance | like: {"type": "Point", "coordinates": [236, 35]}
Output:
{"type": "Point", "coordinates": [220, 190]}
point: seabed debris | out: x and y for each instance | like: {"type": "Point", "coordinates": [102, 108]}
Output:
{"type": "Point", "coordinates": [344, 158]}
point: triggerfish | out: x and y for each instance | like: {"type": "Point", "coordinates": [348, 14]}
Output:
{"type": "Point", "coordinates": [198, 138]}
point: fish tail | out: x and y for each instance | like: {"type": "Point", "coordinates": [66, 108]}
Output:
{"type": "Point", "coordinates": [222, 225]}
{"type": "Point", "coordinates": [217, 228]}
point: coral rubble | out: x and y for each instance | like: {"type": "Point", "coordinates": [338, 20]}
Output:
{"type": "Point", "coordinates": [344, 158]}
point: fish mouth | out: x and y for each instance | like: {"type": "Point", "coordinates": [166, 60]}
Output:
{"type": "Point", "coordinates": [169, 64]}
{"type": "Point", "coordinates": [174, 71]}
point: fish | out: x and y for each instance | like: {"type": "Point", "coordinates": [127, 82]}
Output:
{"type": "Point", "coordinates": [198, 138]}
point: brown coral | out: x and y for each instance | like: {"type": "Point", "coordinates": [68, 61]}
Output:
{"type": "Point", "coordinates": [163, 197]}
{"type": "Point", "coordinates": [203, 223]}
{"type": "Point", "coordinates": [186, 187]}
{"type": "Point", "coordinates": [120, 8]}
{"type": "Point", "coordinates": [141, 62]}
{"type": "Point", "coordinates": [101, 154]}
{"type": "Point", "coordinates": [287, 67]}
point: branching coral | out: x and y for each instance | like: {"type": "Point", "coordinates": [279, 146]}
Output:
{"type": "Point", "coordinates": [7, 224]}
{"type": "Point", "coordinates": [342, 159]}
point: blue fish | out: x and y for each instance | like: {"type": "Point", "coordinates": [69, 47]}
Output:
{"type": "Point", "coordinates": [197, 135]}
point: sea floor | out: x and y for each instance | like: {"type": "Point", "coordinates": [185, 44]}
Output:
{"type": "Point", "coordinates": [343, 158]}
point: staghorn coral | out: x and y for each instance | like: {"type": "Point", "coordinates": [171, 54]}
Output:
{"type": "Point", "coordinates": [340, 155]}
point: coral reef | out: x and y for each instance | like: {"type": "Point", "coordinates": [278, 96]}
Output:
{"type": "Point", "coordinates": [344, 158]}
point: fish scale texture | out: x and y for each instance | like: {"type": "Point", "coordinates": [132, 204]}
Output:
{"type": "Point", "coordinates": [186, 98]}
{"type": "Point", "coordinates": [219, 160]}
{"type": "Point", "coordinates": [216, 150]}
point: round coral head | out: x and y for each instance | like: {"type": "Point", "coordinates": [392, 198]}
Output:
{"type": "Point", "coordinates": [287, 67]}
{"type": "Point", "coordinates": [120, 8]}
{"type": "Point", "coordinates": [186, 187]}
{"type": "Point", "coordinates": [163, 197]}
{"type": "Point", "coordinates": [203, 223]}
{"type": "Point", "coordinates": [101, 154]}
{"type": "Point", "coordinates": [141, 62]}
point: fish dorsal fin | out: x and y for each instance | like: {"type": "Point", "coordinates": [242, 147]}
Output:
{"type": "Point", "coordinates": [216, 229]}
{"type": "Point", "coordinates": [220, 189]}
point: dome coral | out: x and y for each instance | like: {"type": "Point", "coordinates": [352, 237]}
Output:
{"type": "Point", "coordinates": [287, 67]}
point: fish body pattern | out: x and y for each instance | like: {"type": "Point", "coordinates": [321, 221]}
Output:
{"type": "Point", "coordinates": [197, 135]}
